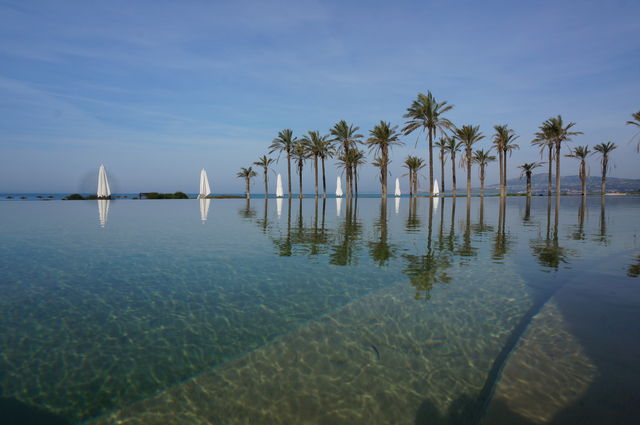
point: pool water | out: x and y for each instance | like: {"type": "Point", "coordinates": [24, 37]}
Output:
{"type": "Point", "coordinates": [318, 312]}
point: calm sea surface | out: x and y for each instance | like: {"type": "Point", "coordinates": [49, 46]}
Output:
{"type": "Point", "coordinates": [321, 312]}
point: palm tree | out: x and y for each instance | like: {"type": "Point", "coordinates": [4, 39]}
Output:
{"type": "Point", "coordinates": [246, 174]}
{"type": "Point", "coordinates": [413, 164]}
{"type": "Point", "coordinates": [300, 154]}
{"type": "Point", "coordinates": [508, 146]}
{"type": "Point", "coordinates": [544, 140]}
{"type": "Point", "coordinates": [443, 144]}
{"type": "Point", "coordinates": [527, 169]}
{"type": "Point", "coordinates": [482, 158]}
{"type": "Point", "coordinates": [351, 161]}
{"type": "Point", "coordinates": [425, 113]}
{"type": "Point", "coordinates": [453, 147]}
{"type": "Point", "coordinates": [381, 138]}
{"type": "Point", "coordinates": [557, 131]}
{"type": "Point", "coordinates": [468, 135]}
{"type": "Point", "coordinates": [346, 136]}
{"type": "Point", "coordinates": [635, 121]}
{"type": "Point", "coordinates": [265, 163]}
{"type": "Point", "coordinates": [319, 147]}
{"type": "Point", "coordinates": [284, 143]}
{"type": "Point", "coordinates": [581, 153]}
{"type": "Point", "coordinates": [605, 149]}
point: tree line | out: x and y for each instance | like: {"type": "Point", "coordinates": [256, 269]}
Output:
{"type": "Point", "coordinates": [427, 115]}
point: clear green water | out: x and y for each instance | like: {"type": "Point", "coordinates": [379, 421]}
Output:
{"type": "Point", "coordinates": [422, 302]}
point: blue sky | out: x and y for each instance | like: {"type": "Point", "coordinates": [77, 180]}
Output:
{"type": "Point", "coordinates": [157, 90]}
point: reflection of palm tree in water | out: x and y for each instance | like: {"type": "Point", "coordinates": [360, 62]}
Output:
{"type": "Point", "coordinates": [602, 234]}
{"type": "Point", "coordinates": [579, 233]}
{"type": "Point", "coordinates": [527, 211]}
{"type": "Point", "coordinates": [264, 221]}
{"type": "Point", "coordinates": [413, 219]}
{"type": "Point", "coordinates": [481, 227]}
{"type": "Point", "coordinates": [466, 249]}
{"type": "Point", "coordinates": [247, 211]}
{"type": "Point", "coordinates": [380, 250]}
{"type": "Point", "coordinates": [426, 270]}
{"type": "Point", "coordinates": [344, 252]}
{"type": "Point", "coordinates": [502, 239]}
{"type": "Point", "coordinates": [318, 238]}
{"type": "Point", "coordinates": [548, 252]}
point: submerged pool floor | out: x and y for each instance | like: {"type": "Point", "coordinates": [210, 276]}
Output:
{"type": "Point", "coordinates": [407, 312]}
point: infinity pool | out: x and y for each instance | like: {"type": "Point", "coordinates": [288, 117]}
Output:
{"type": "Point", "coordinates": [321, 312]}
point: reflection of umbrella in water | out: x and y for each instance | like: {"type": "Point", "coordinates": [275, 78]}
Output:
{"type": "Point", "coordinates": [397, 205]}
{"type": "Point", "coordinates": [103, 211]}
{"type": "Point", "coordinates": [338, 206]}
{"type": "Point", "coordinates": [204, 209]}
{"type": "Point", "coordinates": [435, 202]}
{"type": "Point", "coordinates": [279, 205]}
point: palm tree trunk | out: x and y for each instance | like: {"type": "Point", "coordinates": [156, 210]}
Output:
{"type": "Point", "coordinates": [468, 172]}
{"type": "Point", "coordinates": [583, 177]}
{"type": "Point", "coordinates": [411, 183]}
{"type": "Point", "coordinates": [504, 172]}
{"type": "Point", "coordinates": [481, 180]}
{"type": "Point", "coordinates": [315, 165]}
{"type": "Point", "coordinates": [247, 189]}
{"type": "Point", "coordinates": [300, 175]}
{"type": "Point", "coordinates": [430, 163]}
{"type": "Point", "coordinates": [266, 183]}
{"type": "Point", "coordinates": [324, 181]}
{"type": "Point", "coordinates": [557, 168]}
{"type": "Point", "coordinates": [289, 172]}
{"type": "Point", "coordinates": [603, 185]}
{"type": "Point", "coordinates": [550, 168]}
{"type": "Point", "coordinates": [442, 169]}
{"type": "Point", "coordinates": [453, 172]}
{"type": "Point", "coordinates": [529, 183]}
{"type": "Point", "coordinates": [355, 180]}
{"type": "Point", "coordinates": [501, 173]}
{"type": "Point", "coordinates": [383, 170]}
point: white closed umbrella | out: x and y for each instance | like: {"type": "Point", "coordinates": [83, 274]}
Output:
{"type": "Point", "coordinates": [279, 191]}
{"type": "Point", "coordinates": [339, 187]}
{"type": "Point", "coordinates": [205, 190]}
{"type": "Point", "coordinates": [103, 211]}
{"type": "Point", "coordinates": [398, 193]}
{"type": "Point", "coordinates": [436, 188]}
{"type": "Point", "coordinates": [104, 191]}
{"type": "Point", "coordinates": [204, 209]}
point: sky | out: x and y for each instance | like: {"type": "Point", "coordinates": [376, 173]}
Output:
{"type": "Point", "coordinates": [157, 90]}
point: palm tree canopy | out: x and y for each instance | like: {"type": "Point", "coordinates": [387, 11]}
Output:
{"type": "Point", "coordinates": [318, 145]}
{"type": "Point", "coordinates": [636, 119]}
{"type": "Point", "coordinates": [284, 142]}
{"type": "Point", "coordinates": [605, 148]}
{"type": "Point", "coordinates": [483, 157]}
{"type": "Point", "coordinates": [528, 167]}
{"type": "Point", "coordinates": [264, 161]}
{"type": "Point", "coordinates": [468, 135]}
{"type": "Point", "coordinates": [543, 138]}
{"type": "Point", "coordinates": [300, 151]}
{"type": "Point", "coordinates": [246, 173]}
{"type": "Point", "coordinates": [383, 136]}
{"type": "Point", "coordinates": [453, 145]}
{"type": "Point", "coordinates": [345, 134]}
{"type": "Point", "coordinates": [443, 143]}
{"type": "Point", "coordinates": [579, 152]}
{"type": "Point", "coordinates": [355, 157]}
{"type": "Point", "coordinates": [426, 113]}
{"type": "Point", "coordinates": [504, 137]}
{"type": "Point", "coordinates": [555, 128]}
{"type": "Point", "coordinates": [413, 163]}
